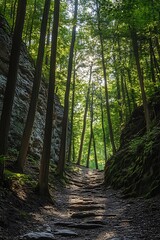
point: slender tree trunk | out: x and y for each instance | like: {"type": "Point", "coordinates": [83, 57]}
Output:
{"type": "Point", "coordinates": [103, 130]}
{"type": "Point", "coordinates": [95, 151]}
{"type": "Point", "coordinates": [62, 157]}
{"type": "Point", "coordinates": [131, 83]}
{"type": "Point", "coordinates": [106, 84]}
{"type": "Point", "coordinates": [84, 119]}
{"type": "Point", "coordinates": [151, 61]}
{"type": "Point", "coordinates": [48, 42]}
{"type": "Point", "coordinates": [72, 114]}
{"type": "Point", "coordinates": [45, 159]}
{"type": "Point", "coordinates": [4, 7]}
{"type": "Point", "coordinates": [35, 91]}
{"type": "Point", "coordinates": [11, 80]}
{"type": "Point", "coordinates": [118, 89]}
{"type": "Point", "coordinates": [140, 76]}
{"type": "Point", "coordinates": [89, 147]}
{"type": "Point", "coordinates": [13, 14]}
{"type": "Point", "coordinates": [128, 99]}
{"type": "Point", "coordinates": [92, 132]}
{"type": "Point", "coordinates": [32, 21]}
{"type": "Point", "coordinates": [73, 147]}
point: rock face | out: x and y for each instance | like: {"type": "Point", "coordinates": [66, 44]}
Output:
{"type": "Point", "coordinates": [135, 167]}
{"type": "Point", "coordinates": [22, 99]}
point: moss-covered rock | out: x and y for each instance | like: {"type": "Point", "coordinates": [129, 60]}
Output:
{"type": "Point", "coordinates": [136, 166]}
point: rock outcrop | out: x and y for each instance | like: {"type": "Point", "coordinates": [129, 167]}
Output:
{"type": "Point", "coordinates": [135, 167]}
{"type": "Point", "coordinates": [22, 99]}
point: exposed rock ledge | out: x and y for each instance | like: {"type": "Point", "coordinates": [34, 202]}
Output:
{"type": "Point", "coordinates": [22, 99]}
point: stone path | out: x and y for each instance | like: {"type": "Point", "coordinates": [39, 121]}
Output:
{"type": "Point", "coordinates": [85, 211]}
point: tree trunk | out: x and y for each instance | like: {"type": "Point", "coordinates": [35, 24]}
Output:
{"type": "Point", "coordinates": [11, 80]}
{"type": "Point", "coordinates": [32, 21]}
{"type": "Point", "coordinates": [106, 84]}
{"type": "Point", "coordinates": [4, 7]}
{"type": "Point", "coordinates": [89, 147]}
{"type": "Point", "coordinates": [118, 89]}
{"type": "Point", "coordinates": [72, 114]}
{"type": "Point", "coordinates": [140, 76]}
{"type": "Point", "coordinates": [92, 132]}
{"type": "Point", "coordinates": [128, 100]}
{"type": "Point", "coordinates": [151, 61]}
{"type": "Point", "coordinates": [84, 119]}
{"type": "Point", "coordinates": [103, 130]}
{"type": "Point", "coordinates": [45, 159]}
{"type": "Point", "coordinates": [48, 42]}
{"type": "Point", "coordinates": [13, 14]}
{"type": "Point", "coordinates": [95, 151]}
{"type": "Point", "coordinates": [62, 157]}
{"type": "Point", "coordinates": [35, 91]}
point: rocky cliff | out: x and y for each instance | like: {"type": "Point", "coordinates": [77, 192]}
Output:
{"type": "Point", "coordinates": [135, 167]}
{"type": "Point", "coordinates": [22, 99]}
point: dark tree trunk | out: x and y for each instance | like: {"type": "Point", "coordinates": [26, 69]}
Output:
{"type": "Point", "coordinates": [48, 42]}
{"type": "Point", "coordinates": [84, 119]}
{"type": "Point", "coordinates": [72, 114]}
{"type": "Point", "coordinates": [89, 147]}
{"type": "Point", "coordinates": [13, 13]}
{"type": "Point", "coordinates": [4, 7]}
{"type": "Point", "coordinates": [62, 157]}
{"type": "Point", "coordinates": [118, 89]}
{"type": "Point", "coordinates": [11, 80]}
{"type": "Point", "coordinates": [106, 84]}
{"type": "Point", "coordinates": [140, 76]}
{"type": "Point", "coordinates": [35, 91]}
{"type": "Point", "coordinates": [103, 130]}
{"type": "Point", "coordinates": [32, 21]}
{"type": "Point", "coordinates": [152, 61]}
{"type": "Point", "coordinates": [128, 100]}
{"type": "Point", "coordinates": [95, 151]}
{"type": "Point", "coordinates": [45, 159]}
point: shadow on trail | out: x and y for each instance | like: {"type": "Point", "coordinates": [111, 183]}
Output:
{"type": "Point", "coordinates": [82, 210]}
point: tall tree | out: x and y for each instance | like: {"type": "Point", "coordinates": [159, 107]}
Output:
{"type": "Point", "coordinates": [45, 159]}
{"type": "Point", "coordinates": [11, 80]}
{"type": "Point", "coordinates": [35, 91]}
{"type": "Point", "coordinates": [72, 112]}
{"type": "Point", "coordinates": [84, 118]}
{"type": "Point", "coordinates": [105, 80]}
{"type": "Point", "coordinates": [103, 126]}
{"type": "Point", "coordinates": [62, 157]}
{"type": "Point", "coordinates": [140, 76]}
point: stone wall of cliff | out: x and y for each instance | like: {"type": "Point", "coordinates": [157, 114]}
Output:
{"type": "Point", "coordinates": [22, 99]}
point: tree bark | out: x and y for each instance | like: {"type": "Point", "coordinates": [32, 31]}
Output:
{"type": "Point", "coordinates": [45, 159]}
{"type": "Point", "coordinates": [11, 80]}
{"type": "Point", "coordinates": [103, 130]}
{"type": "Point", "coordinates": [106, 84]}
{"type": "Point", "coordinates": [35, 91]}
{"type": "Point", "coordinates": [84, 119]}
{"type": "Point", "coordinates": [62, 157]}
{"type": "Point", "coordinates": [140, 76]}
{"type": "Point", "coordinates": [72, 114]}
{"type": "Point", "coordinates": [32, 21]}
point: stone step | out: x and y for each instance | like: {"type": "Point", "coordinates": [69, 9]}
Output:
{"type": "Point", "coordinates": [83, 225]}
{"type": "Point", "coordinates": [80, 215]}
{"type": "Point", "coordinates": [86, 207]}
{"type": "Point", "coordinates": [65, 233]}
{"type": "Point", "coordinates": [37, 236]}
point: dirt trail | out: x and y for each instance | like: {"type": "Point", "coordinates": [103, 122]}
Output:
{"type": "Point", "coordinates": [83, 210]}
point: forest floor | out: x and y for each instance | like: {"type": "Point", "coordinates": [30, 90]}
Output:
{"type": "Point", "coordinates": [81, 209]}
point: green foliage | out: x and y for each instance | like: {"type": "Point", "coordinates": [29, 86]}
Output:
{"type": "Point", "coordinates": [3, 159]}
{"type": "Point", "coordinates": [18, 177]}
